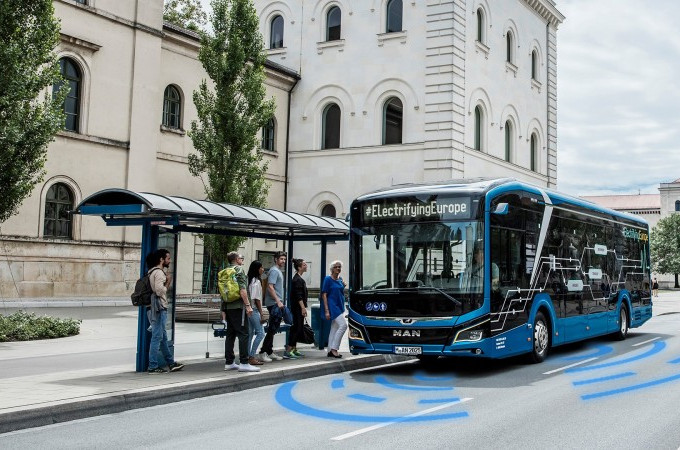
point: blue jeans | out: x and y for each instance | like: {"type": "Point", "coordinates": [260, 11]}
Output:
{"type": "Point", "coordinates": [159, 339]}
{"type": "Point", "coordinates": [255, 329]}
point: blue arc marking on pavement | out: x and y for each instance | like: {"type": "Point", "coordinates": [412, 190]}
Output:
{"type": "Point", "coordinates": [600, 379]}
{"type": "Point", "coordinates": [675, 361]}
{"type": "Point", "coordinates": [599, 351]}
{"type": "Point", "coordinates": [338, 384]}
{"type": "Point", "coordinates": [429, 378]}
{"type": "Point", "coordinates": [367, 398]}
{"type": "Point", "coordinates": [405, 387]}
{"type": "Point", "coordinates": [656, 348]}
{"type": "Point", "coordinates": [284, 396]}
{"type": "Point", "coordinates": [439, 400]}
{"type": "Point", "coordinates": [634, 387]}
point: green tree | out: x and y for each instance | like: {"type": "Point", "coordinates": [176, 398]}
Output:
{"type": "Point", "coordinates": [231, 114]}
{"type": "Point", "coordinates": [28, 65]}
{"type": "Point", "coordinates": [665, 246]}
{"type": "Point", "coordinates": [185, 13]}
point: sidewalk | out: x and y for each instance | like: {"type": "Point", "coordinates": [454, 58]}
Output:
{"type": "Point", "coordinates": [50, 381]}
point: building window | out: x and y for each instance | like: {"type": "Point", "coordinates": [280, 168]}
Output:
{"type": "Point", "coordinates": [172, 107]}
{"type": "Point", "coordinates": [534, 65]}
{"type": "Point", "coordinates": [58, 204]}
{"type": "Point", "coordinates": [677, 205]}
{"type": "Point", "coordinates": [508, 46]}
{"type": "Point", "coordinates": [268, 134]}
{"type": "Point", "coordinates": [393, 118]}
{"type": "Point", "coordinates": [333, 22]}
{"type": "Point", "coordinates": [331, 127]}
{"type": "Point", "coordinates": [508, 140]}
{"type": "Point", "coordinates": [276, 33]}
{"type": "Point", "coordinates": [480, 25]}
{"type": "Point", "coordinates": [532, 148]}
{"type": "Point", "coordinates": [394, 16]}
{"type": "Point", "coordinates": [328, 210]}
{"type": "Point", "coordinates": [82, 2]}
{"type": "Point", "coordinates": [73, 79]}
{"type": "Point", "coordinates": [478, 127]}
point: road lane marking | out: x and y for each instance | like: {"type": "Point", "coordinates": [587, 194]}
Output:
{"type": "Point", "coordinates": [647, 341]}
{"type": "Point", "coordinates": [569, 366]}
{"type": "Point", "coordinates": [385, 424]}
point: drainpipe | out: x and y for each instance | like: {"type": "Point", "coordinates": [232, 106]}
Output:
{"type": "Point", "coordinates": [285, 183]}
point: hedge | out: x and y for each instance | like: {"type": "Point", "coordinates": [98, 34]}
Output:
{"type": "Point", "coordinates": [23, 326]}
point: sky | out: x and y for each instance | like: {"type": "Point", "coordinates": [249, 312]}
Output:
{"type": "Point", "coordinates": [618, 101]}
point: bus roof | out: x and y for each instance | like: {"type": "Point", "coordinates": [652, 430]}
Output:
{"type": "Point", "coordinates": [482, 186]}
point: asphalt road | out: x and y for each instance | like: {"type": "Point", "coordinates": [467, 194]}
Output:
{"type": "Point", "coordinates": [622, 395]}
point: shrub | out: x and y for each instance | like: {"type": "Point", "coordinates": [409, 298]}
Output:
{"type": "Point", "coordinates": [23, 326]}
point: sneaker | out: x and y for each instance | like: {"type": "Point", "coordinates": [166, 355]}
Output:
{"type": "Point", "coordinates": [297, 353]}
{"type": "Point", "coordinates": [289, 355]}
{"type": "Point", "coordinates": [232, 366]}
{"type": "Point", "coordinates": [248, 368]}
{"type": "Point", "coordinates": [174, 367]}
{"type": "Point", "coordinates": [156, 371]}
{"type": "Point", "coordinates": [264, 358]}
{"type": "Point", "coordinates": [275, 357]}
{"type": "Point", "coordinates": [253, 361]}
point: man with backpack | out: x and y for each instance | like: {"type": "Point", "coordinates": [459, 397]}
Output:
{"type": "Point", "coordinates": [273, 298]}
{"type": "Point", "coordinates": [157, 262]}
{"type": "Point", "coordinates": [232, 284]}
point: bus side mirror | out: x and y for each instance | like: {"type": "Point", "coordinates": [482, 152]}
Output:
{"type": "Point", "coordinates": [501, 209]}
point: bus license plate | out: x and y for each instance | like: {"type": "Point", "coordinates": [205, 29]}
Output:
{"type": "Point", "coordinates": [408, 351]}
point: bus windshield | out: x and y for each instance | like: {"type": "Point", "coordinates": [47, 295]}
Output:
{"type": "Point", "coordinates": [437, 256]}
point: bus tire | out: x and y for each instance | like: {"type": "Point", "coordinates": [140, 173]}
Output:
{"type": "Point", "coordinates": [622, 332]}
{"type": "Point", "coordinates": [540, 339]}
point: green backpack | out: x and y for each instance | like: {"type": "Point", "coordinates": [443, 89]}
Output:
{"type": "Point", "coordinates": [228, 286]}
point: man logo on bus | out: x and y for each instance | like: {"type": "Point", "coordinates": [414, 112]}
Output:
{"type": "Point", "coordinates": [405, 333]}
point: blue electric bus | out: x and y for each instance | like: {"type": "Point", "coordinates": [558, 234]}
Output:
{"type": "Point", "coordinates": [491, 268]}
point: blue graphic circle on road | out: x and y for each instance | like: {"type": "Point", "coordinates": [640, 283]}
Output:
{"type": "Point", "coordinates": [284, 396]}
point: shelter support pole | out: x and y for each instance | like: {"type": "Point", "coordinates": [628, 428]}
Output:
{"type": "Point", "coordinates": [149, 244]}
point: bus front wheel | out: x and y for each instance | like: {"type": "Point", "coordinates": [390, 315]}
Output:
{"type": "Point", "coordinates": [541, 339]}
{"type": "Point", "coordinates": [622, 332]}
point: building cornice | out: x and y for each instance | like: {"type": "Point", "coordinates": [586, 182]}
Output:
{"type": "Point", "coordinates": [547, 10]}
{"type": "Point", "coordinates": [82, 43]}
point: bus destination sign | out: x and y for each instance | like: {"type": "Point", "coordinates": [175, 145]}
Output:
{"type": "Point", "coordinates": [407, 210]}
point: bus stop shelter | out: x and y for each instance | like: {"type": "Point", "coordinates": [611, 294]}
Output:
{"type": "Point", "coordinates": [163, 217]}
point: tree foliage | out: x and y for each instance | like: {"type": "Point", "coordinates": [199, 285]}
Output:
{"type": "Point", "coordinates": [665, 245]}
{"type": "Point", "coordinates": [185, 13]}
{"type": "Point", "coordinates": [231, 113]}
{"type": "Point", "coordinates": [28, 65]}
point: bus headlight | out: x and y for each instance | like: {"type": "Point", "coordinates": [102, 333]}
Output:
{"type": "Point", "coordinates": [355, 334]}
{"type": "Point", "coordinates": [473, 333]}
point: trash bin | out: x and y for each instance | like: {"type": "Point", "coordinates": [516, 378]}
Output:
{"type": "Point", "coordinates": [321, 326]}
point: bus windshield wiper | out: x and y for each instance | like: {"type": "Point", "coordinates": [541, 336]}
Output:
{"type": "Point", "coordinates": [377, 290]}
{"type": "Point", "coordinates": [441, 291]}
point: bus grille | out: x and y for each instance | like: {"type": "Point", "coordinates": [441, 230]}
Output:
{"type": "Point", "coordinates": [397, 335]}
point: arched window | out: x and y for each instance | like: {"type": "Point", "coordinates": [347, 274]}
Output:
{"type": "Point", "coordinates": [534, 151]}
{"type": "Point", "coordinates": [73, 79]}
{"type": "Point", "coordinates": [677, 205]}
{"type": "Point", "coordinates": [331, 127]}
{"type": "Point", "coordinates": [393, 119]}
{"type": "Point", "coordinates": [534, 65]}
{"type": "Point", "coordinates": [480, 25]}
{"type": "Point", "coordinates": [508, 46]}
{"type": "Point", "coordinates": [478, 127]}
{"type": "Point", "coordinates": [333, 22]}
{"type": "Point", "coordinates": [328, 210]}
{"type": "Point", "coordinates": [172, 107]}
{"type": "Point", "coordinates": [276, 33]}
{"type": "Point", "coordinates": [395, 10]}
{"type": "Point", "coordinates": [508, 140]}
{"type": "Point", "coordinates": [58, 203]}
{"type": "Point", "coordinates": [268, 134]}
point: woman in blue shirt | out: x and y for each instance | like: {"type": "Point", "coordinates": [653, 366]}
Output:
{"type": "Point", "coordinates": [333, 296]}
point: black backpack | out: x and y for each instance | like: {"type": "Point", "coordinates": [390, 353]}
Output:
{"type": "Point", "coordinates": [141, 296]}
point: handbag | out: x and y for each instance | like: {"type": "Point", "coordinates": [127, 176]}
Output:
{"type": "Point", "coordinates": [306, 334]}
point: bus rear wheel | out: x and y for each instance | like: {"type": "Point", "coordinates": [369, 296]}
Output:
{"type": "Point", "coordinates": [540, 339]}
{"type": "Point", "coordinates": [622, 332]}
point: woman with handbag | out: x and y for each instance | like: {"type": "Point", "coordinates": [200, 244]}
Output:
{"type": "Point", "coordinates": [298, 306]}
{"type": "Point", "coordinates": [255, 320]}
{"type": "Point", "coordinates": [333, 296]}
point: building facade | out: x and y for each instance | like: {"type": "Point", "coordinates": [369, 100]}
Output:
{"type": "Point", "coordinates": [369, 93]}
